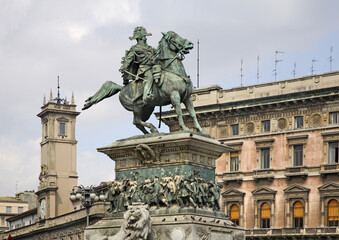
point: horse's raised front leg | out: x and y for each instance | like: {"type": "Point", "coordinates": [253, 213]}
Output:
{"type": "Point", "coordinates": [141, 124]}
{"type": "Point", "coordinates": [189, 106]}
{"type": "Point", "coordinates": [175, 99]}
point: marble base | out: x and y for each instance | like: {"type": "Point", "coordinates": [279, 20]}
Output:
{"type": "Point", "coordinates": [188, 226]}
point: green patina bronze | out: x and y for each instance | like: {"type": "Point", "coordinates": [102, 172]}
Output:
{"type": "Point", "coordinates": [165, 171]}
{"type": "Point", "coordinates": [152, 77]}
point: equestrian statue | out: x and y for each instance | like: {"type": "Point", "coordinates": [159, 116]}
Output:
{"type": "Point", "coordinates": [152, 77]}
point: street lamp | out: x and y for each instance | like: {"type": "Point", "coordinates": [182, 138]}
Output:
{"type": "Point", "coordinates": [87, 195]}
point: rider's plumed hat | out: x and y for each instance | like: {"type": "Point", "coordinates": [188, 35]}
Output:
{"type": "Point", "coordinates": [139, 32]}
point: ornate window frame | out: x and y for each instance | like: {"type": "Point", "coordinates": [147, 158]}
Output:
{"type": "Point", "coordinates": [260, 196]}
{"type": "Point", "coordinates": [62, 120]}
{"type": "Point", "coordinates": [237, 146]}
{"type": "Point", "coordinates": [327, 138]}
{"type": "Point", "coordinates": [293, 194]}
{"type": "Point", "coordinates": [295, 122]}
{"type": "Point", "coordinates": [293, 141]}
{"type": "Point", "coordinates": [232, 129]}
{"type": "Point", "coordinates": [328, 191]}
{"type": "Point", "coordinates": [233, 196]}
{"type": "Point", "coordinates": [45, 129]}
{"type": "Point", "coordinates": [263, 144]}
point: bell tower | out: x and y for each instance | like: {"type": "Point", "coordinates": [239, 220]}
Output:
{"type": "Point", "coordinates": [58, 157]}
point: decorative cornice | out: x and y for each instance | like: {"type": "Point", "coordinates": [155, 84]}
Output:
{"type": "Point", "coordinates": [297, 137]}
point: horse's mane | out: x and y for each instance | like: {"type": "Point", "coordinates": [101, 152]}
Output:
{"type": "Point", "coordinates": [163, 44]}
{"type": "Point", "coordinates": [160, 52]}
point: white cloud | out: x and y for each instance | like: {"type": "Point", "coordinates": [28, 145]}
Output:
{"type": "Point", "coordinates": [77, 32]}
{"type": "Point", "coordinates": [20, 164]}
{"type": "Point", "coordinates": [123, 11]}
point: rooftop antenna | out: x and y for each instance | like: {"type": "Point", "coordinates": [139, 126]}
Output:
{"type": "Point", "coordinates": [331, 58]}
{"type": "Point", "coordinates": [312, 67]}
{"type": "Point", "coordinates": [198, 65]}
{"type": "Point", "coordinates": [294, 70]}
{"type": "Point", "coordinates": [241, 74]}
{"type": "Point", "coordinates": [276, 64]}
{"type": "Point", "coordinates": [258, 69]}
{"type": "Point", "coordinates": [58, 99]}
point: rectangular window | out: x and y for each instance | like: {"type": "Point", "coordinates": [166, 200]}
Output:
{"type": "Point", "coordinates": [333, 152]}
{"type": "Point", "coordinates": [334, 117]}
{"type": "Point", "coordinates": [235, 129]}
{"type": "Point", "coordinates": [234, 162]}
{"type": "Point", "coordinates": [299, 122]}
{"type": "Point", "coordinates": [265, 126]}
{"type": "Point", "coordinates": [46, 129]}
{"type": "Point", "coordinates": [62, 129]}
{"type": "Point", "coordinates": [8, 209]}
{"type": "Point", "coordinates": [265, 223]}
{"type": "Point", "coordinates": [265, 158]}
{"type": "Point", "coordinates": [20, 209]}
{"type": "Point", "coordinates": [298, 222]}
{"type": "Point", "coordinates": [298, 155]}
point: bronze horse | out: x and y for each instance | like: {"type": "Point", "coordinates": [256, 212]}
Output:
{"type": "Point", "coordinates": [175, 86]}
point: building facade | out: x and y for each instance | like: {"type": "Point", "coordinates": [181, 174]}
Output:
{"type": "Point", "coordinates": [10, 206]}
{"type": "Point", "coordinates": [282, 177]}
{"type": "Point", "coordinates": [55, 216]}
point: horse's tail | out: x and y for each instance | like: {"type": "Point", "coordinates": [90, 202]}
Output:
{"type": "Point", "coordinates": [107, 90]}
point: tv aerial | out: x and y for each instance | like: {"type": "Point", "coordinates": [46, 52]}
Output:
{"type": "Point", "coordinates": [276, 60]}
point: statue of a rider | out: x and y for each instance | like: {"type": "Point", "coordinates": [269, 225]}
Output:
{"type": "Point", "coordinates": [139, 63]}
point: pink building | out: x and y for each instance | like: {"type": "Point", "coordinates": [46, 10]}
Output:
{"type": "Point", "coordinates": [282, 177]}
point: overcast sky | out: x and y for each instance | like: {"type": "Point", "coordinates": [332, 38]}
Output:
{"type": "Point", "coordinates": [83, 41]}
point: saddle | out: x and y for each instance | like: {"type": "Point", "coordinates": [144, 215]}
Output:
{"type": "Point", "coordinates": [138, 84]}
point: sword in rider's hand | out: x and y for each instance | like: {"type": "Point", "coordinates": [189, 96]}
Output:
{"type": "Point", "coordinates": [136, 76]}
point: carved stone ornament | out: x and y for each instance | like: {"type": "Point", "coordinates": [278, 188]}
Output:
{"type": "Point", "coordinates": [237, 235]}
{"type": "Point", "coordinates": [249, 128]}
{"type": "Point", "coordinates": [315, 120]}
{"type": "Point", "coordinates": [145, 154]}
{"type": "Point", "coordinates": [282, 124]}
{"type": "Point", "coordinates": [43, 172]}
{"type": "Point", "coordinates": [223, 131]}
{"type": "Point", "coordinates": [137, 224]}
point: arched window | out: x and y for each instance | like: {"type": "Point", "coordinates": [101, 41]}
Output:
{"type": "Point", "coordinates": [235, 214]}
{"type": "Point", "coordinates": [333, 213]}
{"type": "Point", "coordinates": [298, 214]}
{"type": "Point", "coordinates": [265, 215]}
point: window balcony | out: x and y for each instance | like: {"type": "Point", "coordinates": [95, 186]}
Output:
{"type": "Point", "coordinates": [236, 176]}
{"type": "Point", "coordinates": [263, 174]}
{"type": "Point", "coordinates": [296, 171]}
{"type": "Point", "coordinates": [329, 169]}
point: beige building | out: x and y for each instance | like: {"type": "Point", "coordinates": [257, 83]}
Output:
{"type": "Point", "coordinates": [10, 206]}
{"type": "Point", "coordinates": [56, 216]}
{"type": "Point", "coordinates": [282, 177]}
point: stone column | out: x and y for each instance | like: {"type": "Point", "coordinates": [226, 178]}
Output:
{"type": "Point", "coordinates": [306, 212]}
{"type": "Point", "coordinates": [256, 214]}
{"type": "Point", "coordinates": [287, 217]}
{"type": "Point", "coordinates": [322, 213]}
{"type": "Point", "coordinates": [241, 222]}
{"type": "Point", "coordinates": [272, 214]}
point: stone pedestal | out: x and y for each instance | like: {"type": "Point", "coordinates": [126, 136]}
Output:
{"type": "Point", "coordinates": [155, 161]}
{"type": "Point", "coordinates": [160, 154]}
